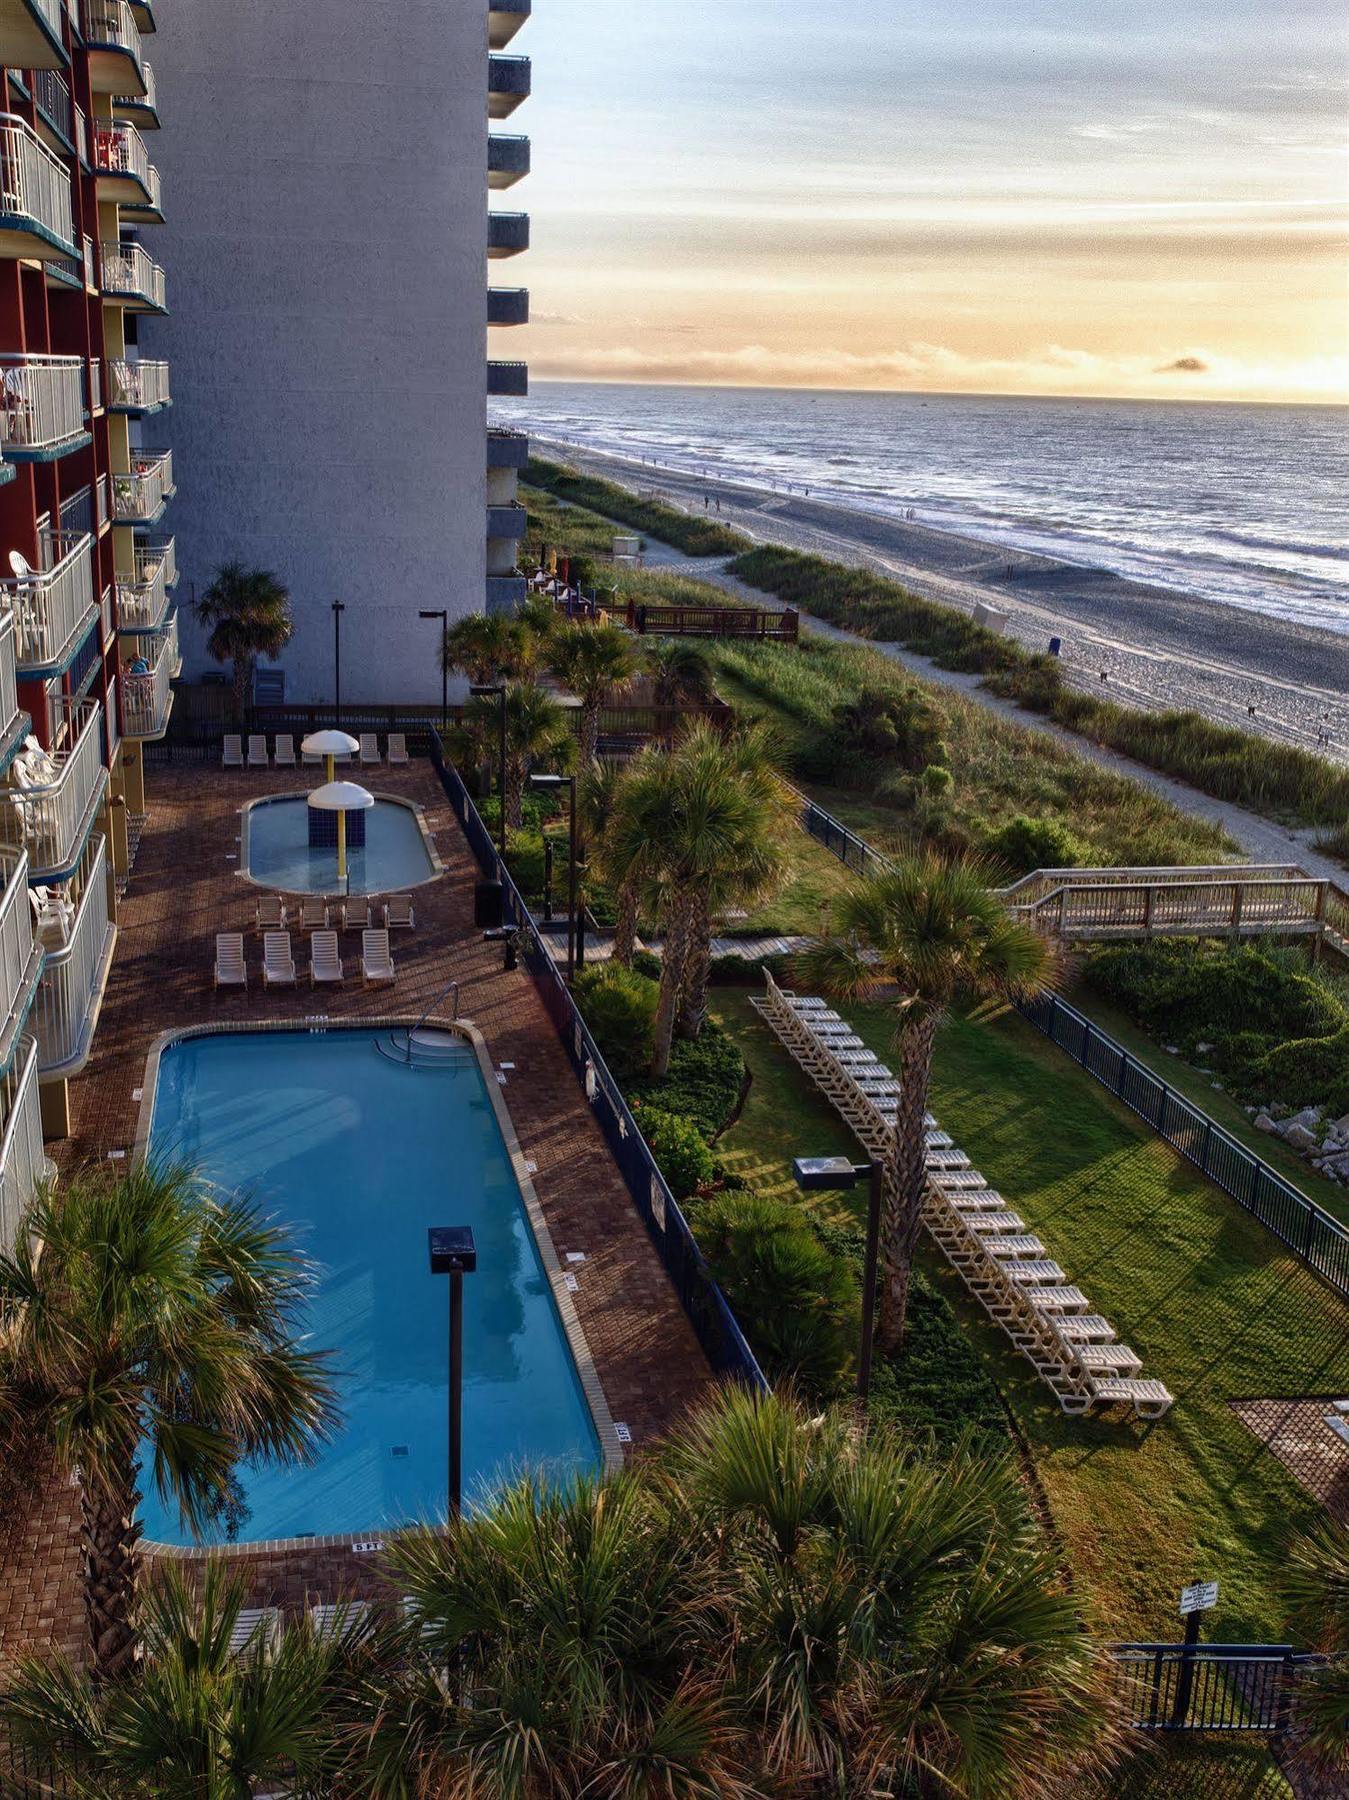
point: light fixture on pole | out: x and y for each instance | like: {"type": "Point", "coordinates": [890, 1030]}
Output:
{"type": "Point", "coordinates": [444, 617]}
{"type": "Point", "coordinates": [815, 1174]}
{"type": "Point", "coordinates": [329, 745]}
{"type": "Point", "coordinates": [341, 797]}
{"type": "Point", "coordinates": [480, 690]}
{"type": "Point", "coordinates": [575, 945]}
{"type": "Point", "coordinates": [452, 1252]}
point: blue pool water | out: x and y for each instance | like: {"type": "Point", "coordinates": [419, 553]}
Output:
{"type": "Point", "coordinates": [277, 852]}
{"type": "Point", "coordinates": [361, 1156]}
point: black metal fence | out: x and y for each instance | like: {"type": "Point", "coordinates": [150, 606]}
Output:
{"type": "Point", "coordinates": [1207, 1687]}
{"type": "Point", "coordinates": [1304, 1228]}
{"type": "Point", "coordinates": [712, 1320]}
{"type": "Point", "coordinates": [850, 849]}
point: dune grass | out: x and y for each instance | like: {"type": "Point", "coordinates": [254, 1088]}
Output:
{"type": "Point", "coordinates": [695, 536]}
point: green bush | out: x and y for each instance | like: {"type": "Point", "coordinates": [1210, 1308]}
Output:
{"type": "Point", "coordinates": [937, 1383]}
{"type": "Point", "coordinates": [796, 1299]}
{"type": "Point", "coordinates": [681, 1153]}
{"type": "Point", "coordinates": [1311, 1071]}
{"type": "Point", "coordinates": [619, 1006]}
{"type": "Point", "coordinates": [1025, 844]}
{"type": "Point", "coordinates": [1190, 993]}
{"type": "Point", "coordinates": [703, 1083]}
{"type": "Point", "coordinates": [897, 727]}
{"type": "Point", "coordinates": [524, 859]}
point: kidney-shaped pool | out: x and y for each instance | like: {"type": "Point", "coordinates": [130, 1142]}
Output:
{"type": "Point", "coordinates": [277, 852]}
{"type": "Point", "coordinates": [360, 1154]}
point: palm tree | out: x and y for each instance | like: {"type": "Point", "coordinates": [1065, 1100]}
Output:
{"type": "Point", "coordinates": [537, 732]}
{"type": "Point", "coordinates": [774, 1604]}
{"type": "Point", "coordinates": [704, 821]}
{"type": "Point", "coordinates": [680, 675]}
{"type": "Point", "coordinates": [196, 1721]}
{"type": "Point", "coordinates": [248, 611]}
{"type": "Point", "coordinates": [1316, 1587]}
{"type": "Point", "coordinates": [592, 661]}
{"type": "Point", "coordinates": [933, 928]}
{"type": "Point", "coordinates": [486, 647]}
{"type": "Point", "coordinates": [146, 1314]}
{"type": "Point", "coordinates": [599, 795]}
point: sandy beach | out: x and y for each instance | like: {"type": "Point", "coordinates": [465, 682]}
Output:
{"type": "Point", "coordinates": [1154, 646]}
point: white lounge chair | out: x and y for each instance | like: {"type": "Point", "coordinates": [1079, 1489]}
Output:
{"type": "Point", "coordinates": [398, 747]}
{"type": "Point", "coordinates": [278, 964]}
{"type": "Point", "coordinates": [284, 757]}
{"type": "Point", "coordinates": [400, 914]}
{"type": "Point", "coordinates": [354, 1619]}
{"type": "Point", "coordinates": [258, 1626]}
{"type": "Point", "coordinates": [310, 758]}
{"type": "Point", "coordinates": [232, 755]}
{"type": "Point", "coordinates": [369, 742]}
{"type": "Point", "coordinates": [325, 959]}
{"type": "Point", "coordinates": [271, 913]}
{"type": "Point", "coordinates": [257, 753]}
{"type": "Point", "coordinates": [313, 913]}
{"type": "Point", "coordinates": [230, 968]}
{"type": "Point", "coordinates": [376, 962]}
{"type": "Point", "coordinates": [361, 913]}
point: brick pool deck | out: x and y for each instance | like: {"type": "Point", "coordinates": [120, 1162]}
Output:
{"type": "Point", "coordinates": [184, 889]}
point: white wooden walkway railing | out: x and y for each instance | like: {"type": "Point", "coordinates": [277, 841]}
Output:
{"type": "Point", "coordinates": [70, 993]}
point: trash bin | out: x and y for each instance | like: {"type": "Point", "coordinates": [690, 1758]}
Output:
{"type": "Point", "coordinates": [1055, 645]}
{"type": "Point", "coordinates": [488, 910]}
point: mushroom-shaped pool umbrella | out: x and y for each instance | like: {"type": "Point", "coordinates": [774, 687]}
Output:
{"type": "Point", "coordinates": [329, 744]}
{"type": "Point", "coordinates": [341, 797]}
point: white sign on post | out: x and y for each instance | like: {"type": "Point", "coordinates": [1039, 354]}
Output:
{"type": "Point", "coordinates": [1198, 1597]}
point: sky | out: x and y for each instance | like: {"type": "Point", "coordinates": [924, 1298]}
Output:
{"type": "Point", "coordinates": [1125, 197]}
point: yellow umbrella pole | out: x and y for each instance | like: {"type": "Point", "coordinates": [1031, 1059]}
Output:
{"type": "Point", "coordinates": [332, 767]}
{"type": "Point", "coordinates": [341, 846]}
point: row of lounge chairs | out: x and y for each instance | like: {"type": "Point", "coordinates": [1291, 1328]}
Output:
{"type": "Point", "coordinates": [1002, 1262]}
{"type": "Point", "coordinates": [278, 959]}
{"type": "Point", "coordinates": [311, 912]}
{"type": "Point", "coordinates": [232, 755]}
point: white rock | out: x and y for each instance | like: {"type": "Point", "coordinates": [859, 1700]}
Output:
{"type": "Point", "coordinates": [1263, 1122]}
{"type": "Point", "coordinates": [1297, 1135]}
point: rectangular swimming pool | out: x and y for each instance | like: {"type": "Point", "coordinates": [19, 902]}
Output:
{"type": "Point", "coordinates": [360, 1155]}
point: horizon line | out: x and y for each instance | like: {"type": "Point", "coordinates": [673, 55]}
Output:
{"type": "Point", "coordinates": [771, 387]}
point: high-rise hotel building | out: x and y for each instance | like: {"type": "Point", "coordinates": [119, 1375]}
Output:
{"type": "Point", "coordinates": [330, 168]}
{"type": "Point", "coordinates": [88, 643]}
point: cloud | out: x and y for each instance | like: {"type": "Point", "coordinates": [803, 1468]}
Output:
{"type": "Point", "coordinates": [552, 318]}
{"type": "Point", "coordinates": [1183, 365]}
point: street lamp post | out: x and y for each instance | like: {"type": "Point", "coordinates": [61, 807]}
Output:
{"type": "Point", "coordinates": [575, 928]}
{"type": "Point", "coordinates": [444, 616]}
{"type": "Point", "coordinates": [452, 1252]}
{"type": "Point", "coordinates": [338, 609]}
{"type": "Point", "coordinates": [547, 881]}
{"type": "Point", "coordinates": [814, 1173]}
{"type": "Point", "coordinates": [480, 689]}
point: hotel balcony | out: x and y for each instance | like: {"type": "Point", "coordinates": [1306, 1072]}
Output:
{"type": "Point", "coordinates": [143, 596]}
{"type": "Point", "coordinates": [113, 40]}
{"type": "Point", "coordinates": [505, 593]}
{"type": "Point", "coordinates": [23, 1162]}
{"type": "Point", "coordinates": [506, 522]}
{"type": "Point", "coordinates": [30, 35]}
{"type": "Point", "coordinates": [14, 722]}
{"type": "Point", "coordinates": [53, 607]}
{"type": "Point", "coordinates": [35, 214]}
{"type": "Point", "coordinates": [132, 278]}
{"type": "Point", "coordinates": [70, 993]}
{"type": "Point", "coordinates": [20, 954]}
{"type": "Point", "coordinates": [147, 694]}
{"type": "Point", "coordinates": [145, 18]}
{"type": "Point", "coordinates": [52, 821]}
{"type": "Point", "coordinates": [506, 449]}
{"type": "Point", "coordinates": [138, 387]}
{"type": "Point", "coordinates": [126, 174]}
{"type": "Point", "coordinates": [507, 160]}
{"type": "Point", "coordinates": [140, 495]}
{"type": "Point", "coordinates": [508, 306]}
{"type": "Point", "coordinates": [508, 380]}
{"type": "Point", "coordinates": [143, 109]}
{"type": "Point", "coordinates": [507, 84]}
{"type": "Point", "coordinates": [504, 19]}
{"type": "Point", "coordinates": [507, 233]}
{"type": "Point", "coordinates": [42, 413]}
{"type": "Point", "coordinates": [61, 124]}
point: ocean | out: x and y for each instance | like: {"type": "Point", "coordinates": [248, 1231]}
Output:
{"type": "Point", "coordinates": [1244, 505]}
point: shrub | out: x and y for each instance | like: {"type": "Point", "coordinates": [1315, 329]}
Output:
{"type": "Point", "coordinates": [619, 1006]}
{"type": "Point", "coordinates": [681, 1153]}
{"type": "Point", "coordinates": [796, 1299]}
{"type": "Point", "coordinates": [524, 859]}
{"type": "Point", "coordinates": [886, 725]}
{"type": "Point", "coordinates": [704, 1080]}
{"type": "Point", "coordinates": [1311, 1071]}
{"type": "Point", "coordinates": [1025, 844]}
{"type": "Point", "coordinates": [938, 1383]}
{"type": "Point", "coordinates": [1189, 993]}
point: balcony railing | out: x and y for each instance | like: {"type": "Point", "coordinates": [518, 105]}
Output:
{"type": "Point", "coordinates": [508, 379]}
{"type": "Point", "coordinates": [146, 693]}
{"type": "Point", "coordinates": [506, 521]}
{"type": "Point", "coordinates": [140, 104]}
{"type": "Point", "coordinates": [137, 386]}
{"type": "Point", "coordinates": [53, 607]}
{"type": "Point", "coordinates": [54, 818]}
{"type": "Point", "coordinates": [34, 190]}
{"type": "Point", "coordinates": [41, 406]}
{"type": "Point", "coordinates": [507, 233]}
{"type": "Point", "coordinates": [12, 718]}
{"type": "Point", "coordinates": [114, 44]}
{"type": "Point", "coordinates": [51, 95]}
{"type": "Point", "coordinates": [70, 994]}
{"type": "Point", "coordinates": [138, 496]}
{"type": "Point", "coordinates": [508, 160]}
{"type": "Point", "coordinates": [20, 956]}
{"type": "Point", "coordinates": [507, 449]}
{"type": "Point", "coordinates": [508, 82]}
{"type": "Point", "coordinates": [23, 1162]}
{"type": "Point", "coordinates": [120, 154]}
{"type": "Point", "coordinates": [112, 721]}
{"type": "Point", "coordinates": [507, 306]}
{"type": "Point", "coordinates": [143, 598]}
{"type": "Point", "coordinates": [130, 274]}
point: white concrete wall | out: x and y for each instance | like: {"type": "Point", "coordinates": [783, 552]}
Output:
{"type": "Point", "coordinates": [325, 192]}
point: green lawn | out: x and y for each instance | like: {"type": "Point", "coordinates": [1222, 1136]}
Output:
{"type": "Point", "coordinates": [1204, 1296]}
